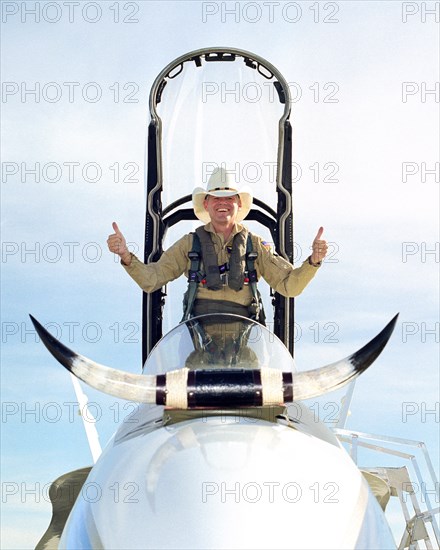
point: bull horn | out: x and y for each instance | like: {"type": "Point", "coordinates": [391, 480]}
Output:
{"type": "Point", "coordinates": [133, 387]}
{"type": "Point", "coordinates": [187, 389]}
{"type": "Point", "coordinates": [316, 382]}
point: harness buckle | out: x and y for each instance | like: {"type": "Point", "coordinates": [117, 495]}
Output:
{"type": "Point", "coordinates": [192, 276]}
{"type": "Point", "coordinates": [224, 277]}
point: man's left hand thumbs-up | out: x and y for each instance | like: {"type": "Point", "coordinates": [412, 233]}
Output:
{"type": "Point", "coordinates": [319, 248]}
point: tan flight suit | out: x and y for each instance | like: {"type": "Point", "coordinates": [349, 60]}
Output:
{"type": "Point", "coordinates": [276, 271]}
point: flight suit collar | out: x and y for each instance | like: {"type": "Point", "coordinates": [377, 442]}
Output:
{"type": "Point", "coordinates": [238, 227]}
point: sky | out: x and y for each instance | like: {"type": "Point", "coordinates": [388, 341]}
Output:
{"type": "Point", "coordinates": [365, 116]}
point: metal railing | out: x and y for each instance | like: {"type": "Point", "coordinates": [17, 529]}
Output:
{"type": "Point", "coordinates": [401, 485]}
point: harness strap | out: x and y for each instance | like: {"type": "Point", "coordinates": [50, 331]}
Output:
{"type": "Point", "coordinates": [193, 277]}
{"type": "Point", "coordinates": [210, 262]}
{"type": "Point", "coordinates": [237, 260]}
{"type": "Point", "coordinates": [256, 309]}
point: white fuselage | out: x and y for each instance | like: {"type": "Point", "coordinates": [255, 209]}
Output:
{"type": "Point", "coordinates": [225, 482]}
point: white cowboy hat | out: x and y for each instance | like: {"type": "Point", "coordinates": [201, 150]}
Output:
{"type": "Point", "coordinates": [221, 184]}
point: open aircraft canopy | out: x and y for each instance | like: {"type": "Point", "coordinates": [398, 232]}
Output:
{"type": "Point", "coordinates": [217, 107]}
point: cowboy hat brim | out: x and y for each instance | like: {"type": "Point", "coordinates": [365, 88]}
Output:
{"type": "Point", "coordinates": [199, 195]}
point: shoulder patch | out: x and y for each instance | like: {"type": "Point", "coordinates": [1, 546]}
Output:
{"type": "Point", "coordinates": [268, 246]}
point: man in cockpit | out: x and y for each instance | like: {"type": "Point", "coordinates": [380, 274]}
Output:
{"type": "Point", "coordinates": [230, 259]}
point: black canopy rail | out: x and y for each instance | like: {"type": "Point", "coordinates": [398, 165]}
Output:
{"type": "Point", "coordinates": [188, 198]}
{"type": "Point", "coordinates": [170, 218]}
{"type": "Point", "coordinates": [187, 214]}
{"type": "Point", "coordinates": [157, 221]}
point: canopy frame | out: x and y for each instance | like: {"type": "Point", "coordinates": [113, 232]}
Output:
{"type": "Point", "coordinates": [158, 220]}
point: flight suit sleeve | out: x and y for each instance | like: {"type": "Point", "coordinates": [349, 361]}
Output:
{"type": "Point", "coordinates": [280, 274]}
{"type": "Point", "coordinates": [171, 264]}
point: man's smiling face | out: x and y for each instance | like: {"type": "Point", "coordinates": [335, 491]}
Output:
{"type": "Point", "coordinates": [222, 210]}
